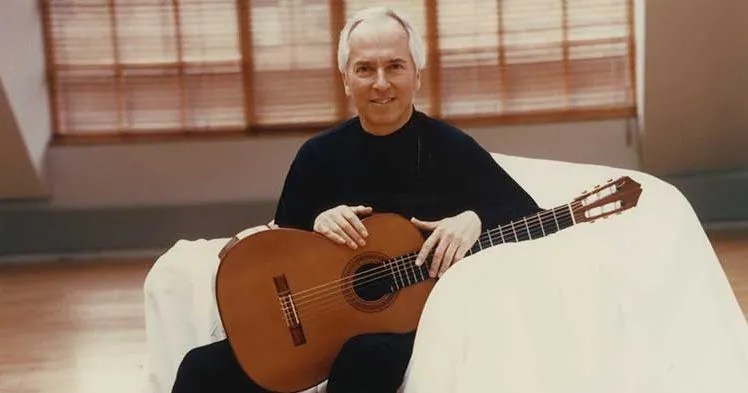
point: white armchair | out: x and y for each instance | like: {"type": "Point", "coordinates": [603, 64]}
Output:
{"type": "Point", "coordinates": [637, 303]}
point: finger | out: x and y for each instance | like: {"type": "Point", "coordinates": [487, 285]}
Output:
{"type": "Point", "coordinates": [361, 209]}
{"type": "Point", "coordinates": [438, 259]}
{"type": "Point", "coordinates": [326, 226]}
{"type": "Point", "coordinates": [460, 254]}
{"type": "Point", "coordinates": [343, 228]}
{"type": "Point", "coordinates": [426, 225]}
{"type": "Point", "coordinates": [343, 221]}
{"type": "Point", "coordinates": [325, 229]}
{"type": "Point", "coordinates": [358, 226]}
{"type": "Point", "coordinates": [449, 257]}
{"type": "Point", "coordinates": [426, 248]}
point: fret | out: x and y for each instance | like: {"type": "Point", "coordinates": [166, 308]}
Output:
{"type": "Point", "coordinates": [540, 220]}
{"type": "Point", "coordinates": [400, 273]}
{"type": "Point", "coordinates": [501, 232]}
{"type": "Point", "coordinates": [527, 227]}
{"type": "Point", "coordinates": [406, 271]}
{"type": "Point", "coordinates": [490, 241]}
{"type": "Point", "coordinates": [472, 250]}
{"type": "Point", "coordinates": [551, 228]}
{"type": "Point", "coordinates": [420, 270]}
{"type": "Point", "coordinates": [409, 269]}
{"type": "Point", "coordinates": [415, 270]}
{"type": "Point", "coordinates": [558, 228]}
{"type": "Point", "coordinates": [476, 247]}
{"type": "Point", "coordinates": [571, 213]}
{"type": "Point", "coordinates": [394, 275]}
{"type": "Point", "coordinates": [561, 214]}
{"type": "Point", "coordinates": [565, 217]}
{"type": "Point", "coordinates": [405, 266]}
{"type": "Point", "coordinates": [516, 239]}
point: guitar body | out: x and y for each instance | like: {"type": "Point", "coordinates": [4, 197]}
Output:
{"type": "Point", "coordinates": [288, 303]}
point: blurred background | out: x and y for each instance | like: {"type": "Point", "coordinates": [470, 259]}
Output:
{"type": "Point", "coordinates": [126, 125]}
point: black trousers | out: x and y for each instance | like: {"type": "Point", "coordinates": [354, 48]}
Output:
{"type": "Point", "coordinates": [370, 363]}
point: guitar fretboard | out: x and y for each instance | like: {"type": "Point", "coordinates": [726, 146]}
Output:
{"type": "Point", "coordinates": [403, 272]}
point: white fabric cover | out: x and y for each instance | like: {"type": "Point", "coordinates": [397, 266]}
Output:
{"type": "Point", "coordinates": [636, 303]}
{"type": "Point", "coordinates": [180, 308]}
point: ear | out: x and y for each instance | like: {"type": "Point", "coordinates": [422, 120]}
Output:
{"type": "Point", "coordinates": [344, 75]}
{"type": "Point", "coordinates": [418, 79]}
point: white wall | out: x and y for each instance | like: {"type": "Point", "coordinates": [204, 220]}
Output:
{"type": "Point", "coordinates": [18, 178]}
{"type": "Point", "coordinates": [246, 169]}
{"type": "Point", "coordinates": [22, 71]}
{"type": "Point", "coordinates": [695, 110]}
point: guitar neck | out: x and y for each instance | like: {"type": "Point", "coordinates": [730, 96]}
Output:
{"type": "Point", "coordinates": [404, 272]}
{"type": "Point", "coordinates": [535, 226]}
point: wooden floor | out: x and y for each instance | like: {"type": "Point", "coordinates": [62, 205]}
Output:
{"type": "Point", "coordinates": [72, 327]}
{"type": "Point", "coordinates": [78, 327]}
{"type": "Point", "coordinates": [732, 250]}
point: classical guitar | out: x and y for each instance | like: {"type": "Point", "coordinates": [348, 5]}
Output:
{"type": "Point", "coordinates": [289, 299]}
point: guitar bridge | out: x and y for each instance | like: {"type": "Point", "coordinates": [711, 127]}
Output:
{"type": "Point", "coordinates": [288, 307]}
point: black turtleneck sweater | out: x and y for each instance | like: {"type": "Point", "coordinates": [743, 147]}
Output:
{"type": "Point", "coordinates": [427, 169]}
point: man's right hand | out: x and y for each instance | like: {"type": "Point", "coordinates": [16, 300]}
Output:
{"type": "Point", "coordinates": [342, 225]}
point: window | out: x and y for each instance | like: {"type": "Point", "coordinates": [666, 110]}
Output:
{"type": "Point", "coordinates": [134, 67]}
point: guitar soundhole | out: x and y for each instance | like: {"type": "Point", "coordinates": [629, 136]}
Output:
{"type": "Point", "coordinates": [370, 282]}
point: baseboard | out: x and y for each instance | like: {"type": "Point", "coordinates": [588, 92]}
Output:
{"type": "Point", "coordinates": [719, 198]}
{"type": "Point", "coordinates": [730, 226]}
{"type": "Point", "coordinates": [130, 255]}
{"type": "Point", "coordinates": [39, 230]}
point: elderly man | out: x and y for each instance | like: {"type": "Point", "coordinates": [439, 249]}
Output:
{"type": "Point", "coordinates": [390, 158]}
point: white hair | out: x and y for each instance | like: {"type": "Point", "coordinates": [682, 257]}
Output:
{"type": "Point", "coordinates": [415, 43]}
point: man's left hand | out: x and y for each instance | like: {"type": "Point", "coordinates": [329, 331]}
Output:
{"type": "Point", "coordinates": [452, 236]}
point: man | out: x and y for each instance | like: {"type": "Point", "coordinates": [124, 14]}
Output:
{"type": "Point", "coordinates": [390, 158]}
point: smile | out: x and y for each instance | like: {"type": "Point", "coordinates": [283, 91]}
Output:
{"type": "Point", "coordinates": [382, 101]}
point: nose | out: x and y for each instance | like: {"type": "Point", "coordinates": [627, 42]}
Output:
{"type": "Point", "coordinates": [381, 83]}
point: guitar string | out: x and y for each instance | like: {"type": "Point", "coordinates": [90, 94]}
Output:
{"type": "Point", "coordinates": [489, 235]}
{"type": "Point", "coordinates": [368, 280]}
{"type": "Point", "coordinates": [398, 268]}
{"type": "Point", "coordinates": [394, 267]}
{"type": "Point", "coordinates": [313, 310]}
{"type": "Point", "coordinates": [333, 302]}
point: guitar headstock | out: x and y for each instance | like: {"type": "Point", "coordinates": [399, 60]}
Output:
{"type": "Point", "coordinates": [612, 198]}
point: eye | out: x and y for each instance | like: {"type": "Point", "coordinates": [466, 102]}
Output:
{"type": "Point", "coordinates": [397, 66]}
{"type": "Point", "coordinates": [362, 69]}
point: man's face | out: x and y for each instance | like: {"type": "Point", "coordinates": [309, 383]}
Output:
{"type": "Point", "coordinates": [381, 77]}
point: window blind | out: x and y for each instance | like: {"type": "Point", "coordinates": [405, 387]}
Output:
{"type": "Point", "coordinates": [134, 67]}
